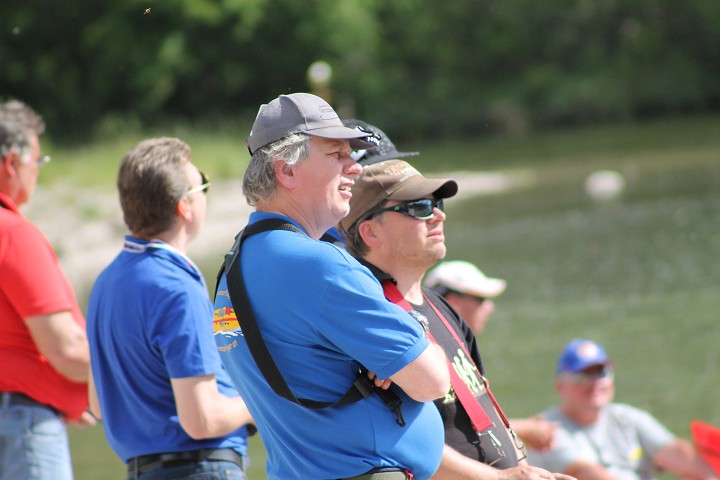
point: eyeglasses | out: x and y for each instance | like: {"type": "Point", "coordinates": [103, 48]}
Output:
{"type": "Point", "coordinates": [24, 157]}
{"type": "Point", "coordinates": [203, 187]}
{"type": "Point", "coordinates": [444, 290]}
{"type": "Point", "coordinates": [43, 160]}
{"type": "Point", "coordinates": [584, 377]}
{"type": "Point", "coordinates": [479, 300]}
{"type": "Point", "coordinates": [421, 209]}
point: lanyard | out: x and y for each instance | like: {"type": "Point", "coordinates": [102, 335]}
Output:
{"type": "Point", "coordinates": [131, 246]}
{"type": "Point", "coordinates": [462, 344]}
{"type": "Point", "coordinates": [478, 417]}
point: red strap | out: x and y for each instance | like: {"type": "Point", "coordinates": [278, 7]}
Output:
{"type": "Point", "coordinates": [462, 344]}
{"type": "Point", "coordinates": [478, 417]}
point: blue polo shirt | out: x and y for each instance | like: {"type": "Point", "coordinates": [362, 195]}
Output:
{"type": "Point", "coordinates": [322, 314]}
{"type": "Point", "coordinates": [147, 322]}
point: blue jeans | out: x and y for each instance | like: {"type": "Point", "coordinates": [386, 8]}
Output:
{"type": "Point", "coordinates": [205, 470]}
{"type": "Point", "coordinates": [33, 444]}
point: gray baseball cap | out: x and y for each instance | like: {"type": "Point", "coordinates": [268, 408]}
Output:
{"type": "Point", "coordinates": [301, 113]}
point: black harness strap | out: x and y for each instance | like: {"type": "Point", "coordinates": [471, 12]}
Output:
{"type": "Point", "coordinates": [361, 388]}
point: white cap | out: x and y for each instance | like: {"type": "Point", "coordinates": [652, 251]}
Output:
{"type": "Point", "coordinates": [464, 277]}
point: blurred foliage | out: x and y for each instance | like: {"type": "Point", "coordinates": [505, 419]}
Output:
{"type": "Point", "coordinates": [466, 68]}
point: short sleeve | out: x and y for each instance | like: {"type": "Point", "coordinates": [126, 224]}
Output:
{"type": "Point", "coordinates": [31, 277]}
{"type": "Point", "coordinates": [183, 333]}
{"type": "Point", "coordinates": [558, 459]}
{"type": "Point", "coordinates": [652, 434]}
{"type": "Point", "coordinates": [378, 334]}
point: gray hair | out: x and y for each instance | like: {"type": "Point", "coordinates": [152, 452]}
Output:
{"type": "Point", "coordinates": [259, 182]}
{"type": "Point", "coordinates": [18, 124]}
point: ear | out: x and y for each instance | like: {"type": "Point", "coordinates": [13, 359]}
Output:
{"type": "Point", "coordinates": [285, 174]}
{"type": "Point", "coordinates": [369, 232]}
{"type": "Point", "coordinates": [183, 210]}
{"type": "Point", "coordinates": [8, 165]}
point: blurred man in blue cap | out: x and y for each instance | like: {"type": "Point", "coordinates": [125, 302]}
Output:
{"type": "Point", "coordinates": [601, 440]}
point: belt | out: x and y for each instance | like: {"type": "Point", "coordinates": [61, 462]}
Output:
{"type": "Point", "coordinates": [13, 399]}
{"type": "Point", "coordinates": [384, 474]}
{"type": "Point", "coordinates": [145, 462]}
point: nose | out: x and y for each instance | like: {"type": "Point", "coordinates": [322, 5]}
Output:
{"type": "Point", "coordinates": [489, 305]}
{"type": "Point", "coordinates": [438, 215]}
{"type": "Point", "coordinates": [353, 168]}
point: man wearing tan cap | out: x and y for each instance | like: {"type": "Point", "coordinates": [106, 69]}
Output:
{"type": "Point", "coordinates": [297, 320]}
{"type": "Point", "coordinates": [395, 226]}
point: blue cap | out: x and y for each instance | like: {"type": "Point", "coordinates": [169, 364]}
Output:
{"type": "Point", "coordinates": [580, 354]}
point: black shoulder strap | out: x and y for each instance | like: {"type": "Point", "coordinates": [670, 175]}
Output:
{"type": "Point", "coordinates": [361, 388]}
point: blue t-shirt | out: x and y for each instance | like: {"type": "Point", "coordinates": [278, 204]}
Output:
{"type": "Point", "coordinates": [322, 314]}
{"type": "Point", "coordinates": [147, 322]}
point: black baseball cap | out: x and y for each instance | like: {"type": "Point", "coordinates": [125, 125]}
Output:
{"type": "Point", "coordinates": [385, 149]}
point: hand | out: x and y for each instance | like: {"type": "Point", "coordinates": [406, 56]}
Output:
{"type": "Point", "coordinates": [87, 419]}
{"type": "Point", "coordinates": [383, 384]}
{"type": "Point", "coordinates": [536, 432]}
{"type": "Point", "coordinates": [526, 472]}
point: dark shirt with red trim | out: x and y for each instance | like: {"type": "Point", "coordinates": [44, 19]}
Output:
{"type": "Point", "coordinates": [493, 446]}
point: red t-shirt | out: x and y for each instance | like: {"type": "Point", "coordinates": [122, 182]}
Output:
{"type": "Point", "coordinates": [32, 283]}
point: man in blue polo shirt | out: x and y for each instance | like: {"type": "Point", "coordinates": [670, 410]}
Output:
{"type": "Point", "coordinates": [169, 408]}
{"type": "Point", "coordinates": [322, 315]}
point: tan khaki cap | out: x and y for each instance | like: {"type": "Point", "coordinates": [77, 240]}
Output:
{"type": "Point", "coordinates": [392, 180]}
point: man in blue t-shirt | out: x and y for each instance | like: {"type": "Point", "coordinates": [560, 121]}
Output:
{"type": "Point", "coordinates": [322, 315]}
{"type": "Point", "coordinates": [169, 409]}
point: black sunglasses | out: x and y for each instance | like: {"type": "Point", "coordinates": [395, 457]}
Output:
{"type": "Point", "coordinates": [204, 185]}
{"type": "Point", "coordinates": [422, 209]}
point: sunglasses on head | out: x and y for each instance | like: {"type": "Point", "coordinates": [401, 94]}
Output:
{"type": "Point", "coordinates": [204, 185]}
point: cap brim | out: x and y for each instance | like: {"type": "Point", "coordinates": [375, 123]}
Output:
{"type": "Point", "coordinates": [419, 187]}
{"type": "Point", "coordinates": [370, 159]}
{"type": "Point", "coordinates": [579, 367]}
{"type": "Point", "coordinates": [356, 137]}
{"type": "Point", "coordinates": [488, 288]}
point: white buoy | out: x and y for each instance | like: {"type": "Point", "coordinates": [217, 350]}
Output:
{"type": "Point", "coordinates": [604, 185]}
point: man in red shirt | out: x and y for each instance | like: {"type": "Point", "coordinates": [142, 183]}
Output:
{"type": "Point", "coordinates": [43, 346]}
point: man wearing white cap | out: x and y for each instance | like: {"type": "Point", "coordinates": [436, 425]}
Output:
{"type": "Point", "coordinates": [467, 289]}
{"type": "Point", "coordinates": [602, 440]}
{"type": "Point", "coordinates": [297, 319]}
